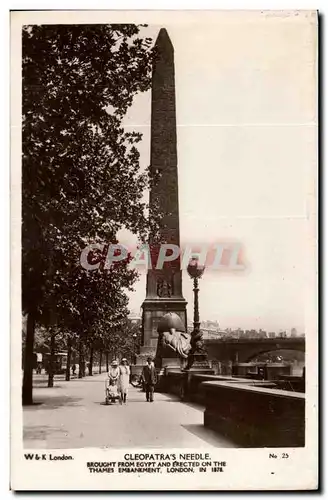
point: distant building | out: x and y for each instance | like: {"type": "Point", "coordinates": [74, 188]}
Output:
{"type": "Point", "coordinates": [210, 334]}
{"type": "Point", "coordinates": [210, 325]}
{"type": "Point", "coordinates": [272, 335]}
{"type": "Point", "coordinates": [293, 332]}
{"type": "Point", "coordinates": [251, 334]}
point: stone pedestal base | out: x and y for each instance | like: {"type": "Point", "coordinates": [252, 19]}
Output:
{"type": "Point", "coordinates": [188, 387]}
{"type": "Point", "coordinates": [199, 365]}
{"type": "Point", "coordinates": [153, 310]}
{"type": "Point", "coordinates": [171, 363]}
{"type": "Point", "coordinates": [198, 362]}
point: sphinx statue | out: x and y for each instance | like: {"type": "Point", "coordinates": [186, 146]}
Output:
{"type": "Point", "coordinates": [173, 341]}
{"type": "Point", "coordinates": [177, 341]}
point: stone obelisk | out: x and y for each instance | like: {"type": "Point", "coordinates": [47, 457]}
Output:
{"type": "Point", "coordinates": [164, 286]}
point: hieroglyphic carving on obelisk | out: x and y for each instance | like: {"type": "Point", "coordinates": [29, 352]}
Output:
{"type": "Point", "coordinates": [164, 287]}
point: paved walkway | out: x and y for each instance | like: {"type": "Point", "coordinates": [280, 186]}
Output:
{"type": "Point", "coordinates": [73, 415]}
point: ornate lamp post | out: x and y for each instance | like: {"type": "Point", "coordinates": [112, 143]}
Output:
{"type": "Point", "coordinates": [198, 355]}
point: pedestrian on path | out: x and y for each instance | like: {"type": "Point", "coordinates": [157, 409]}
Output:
{"type": "Point", "coordinates": [149, 377]}
{"type": "Point", "coordinates": [124, 379]}
{"type": "Point", "coordinates": [113, 381]}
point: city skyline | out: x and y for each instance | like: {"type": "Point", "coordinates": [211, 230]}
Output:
{"type": "Point", "coordinates": [206, 325]}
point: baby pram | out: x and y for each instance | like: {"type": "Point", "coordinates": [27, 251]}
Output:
{"type": "Point", "coordinates": [112, 394]}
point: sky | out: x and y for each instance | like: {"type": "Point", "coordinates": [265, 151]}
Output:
{"type": "Point", "coordinates": [246, 140]}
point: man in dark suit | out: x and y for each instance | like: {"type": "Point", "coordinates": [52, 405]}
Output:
{"type": "Point", "coordinates": [149, 377]}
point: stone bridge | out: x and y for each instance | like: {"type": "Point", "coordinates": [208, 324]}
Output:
{"type": "Point", "coordinates": [243, 350]}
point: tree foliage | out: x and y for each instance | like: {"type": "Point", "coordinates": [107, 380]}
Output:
{"type": "Point", "coordinates": [80, 170]}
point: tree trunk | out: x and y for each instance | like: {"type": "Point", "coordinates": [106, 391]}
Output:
{"type": "Point", "coordinates": [107, 364]}
{"type": "Point", "coordinates": [91, 361]}
{"type": "Point", "coordinates": [68, 366]}
{"type": "Point", "coordinates": [100, 360]}
{"type": "Point", "coordinates": [52, 361]}
{"type": "Point", "coordinates": [27, 392]}
{"type": "Point", "coordinates": [81, 360]}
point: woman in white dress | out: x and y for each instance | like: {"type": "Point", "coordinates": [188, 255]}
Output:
{"type": "Point", "coordinates": [124, 379]}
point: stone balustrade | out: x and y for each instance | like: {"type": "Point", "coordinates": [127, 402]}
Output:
{"type": "Point", "coordinates": [188, 385]}
{"type": "Point", "coordinates": [255, 416]}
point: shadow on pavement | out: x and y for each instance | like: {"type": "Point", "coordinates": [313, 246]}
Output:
{"type": "Point", "coordinates": [169, 398]}
{"type": "Point", "coordinates": [40, 433]}
{"type": "Point", "coordinates": [102, 403]}
{"type": "Point", "coordinates": [42, 380]}
{"type": "Point", "coordinates": [140, 400]}
{"type": "Point", "coordinates": [35, 403]}
{"type": "Point", "coordinates": [209, 436]}
{"type": "Point", "coordinates": [43, 384]}
{"type": "Point", "coordinates": [194, 405]}
{"type": "Point", "coordinates": [53, 402]}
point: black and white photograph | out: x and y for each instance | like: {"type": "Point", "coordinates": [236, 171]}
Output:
{"type": "Point", "coordinates": [164, 174]}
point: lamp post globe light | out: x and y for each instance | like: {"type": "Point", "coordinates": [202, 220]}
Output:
{"type": "Point", "coordinates": [198, 355]}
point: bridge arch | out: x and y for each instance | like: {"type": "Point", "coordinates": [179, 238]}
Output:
{"type": "Point", "coordinates": [243, 349]}
{"type": "Point", "coordinates": [271, 350]}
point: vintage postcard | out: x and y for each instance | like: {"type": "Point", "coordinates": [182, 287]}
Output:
{"type": "Point", "coordinates": [164, 250]}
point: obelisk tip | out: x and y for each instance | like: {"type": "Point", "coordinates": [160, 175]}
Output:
{"type": "Point", "coordinates": [163, 39]}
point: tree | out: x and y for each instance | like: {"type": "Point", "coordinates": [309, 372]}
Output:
{"type": "Point", "coordinates": [49, 340]}
{"type": "Point", "coordinates": [80, 169]}
{"type": "Point", "coordinates": [131, 339]}
{"type": "Point", "coordinates": [71, 339]}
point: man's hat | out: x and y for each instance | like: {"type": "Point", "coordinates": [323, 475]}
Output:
{"type": "Point", "coordinates": [114, 362]}
{"type": "Point", "coordinates": [124, 359]}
